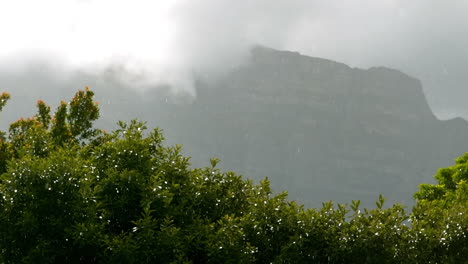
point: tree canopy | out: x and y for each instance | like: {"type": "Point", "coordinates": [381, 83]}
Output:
{"type": "Point", "coordinates": [72, 193]}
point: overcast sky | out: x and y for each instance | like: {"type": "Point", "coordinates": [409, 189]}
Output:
{"type": "Point", "coordinates": [168, 40]}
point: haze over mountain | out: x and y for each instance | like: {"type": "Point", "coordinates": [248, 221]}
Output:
{"type": "Point", "coordinates": [317, 128]}
{"type": "Point", "coordinates": [167, 41]}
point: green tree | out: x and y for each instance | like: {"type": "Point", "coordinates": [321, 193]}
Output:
{"type": "Point", "coordinates": [4, 151]}
{"type": "Point", "coordinates": [71, 193]}
{"type": "Point", "coordinates": [440, 215]}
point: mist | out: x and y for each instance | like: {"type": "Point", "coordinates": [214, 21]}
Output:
{"type": "Point", "coordinates": [171, 42]}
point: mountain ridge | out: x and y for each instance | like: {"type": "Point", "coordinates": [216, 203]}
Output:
{"type": "Point", "coordinates": [369, 126]}
{"type": "Point", "coordinates": [317, 128]}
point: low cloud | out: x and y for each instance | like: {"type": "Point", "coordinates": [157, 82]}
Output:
{"type": "Point", "coordinates": [170, 41]}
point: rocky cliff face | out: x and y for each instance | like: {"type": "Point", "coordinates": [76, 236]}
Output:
{"type": "Point", "coordinates": [317, 128]}
{"type": "Point", "coordinates": [323, 130]}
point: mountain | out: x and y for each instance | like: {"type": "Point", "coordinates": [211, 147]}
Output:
{"type": "Point", "coordinates": [322, 130]}
{"type": "Point", "coordinates": [317, 128]}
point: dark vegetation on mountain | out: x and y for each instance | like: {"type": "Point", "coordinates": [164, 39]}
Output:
{"type": "Point", "coordinates": [317, 128]}
{"type": "Point", "coordinates": [71, 193]}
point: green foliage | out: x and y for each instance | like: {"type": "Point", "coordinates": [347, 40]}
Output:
{"type": "Point", "coordinates": [43, 114]}
{"type": "Point", "coordinates": [451, 187]}
{"type": "Point", "coordinates": [5, 152]}
{"type": "Point", "coordinates": [440, 214]}
{"type": "Point", "coordinates": [82, 112]}
{"type": "Point", "coordinates": [60, 130]}
{"type": "Point", "coordinates": [4, 97]}
{"type": "Point", "coordinates": [71, 193]}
